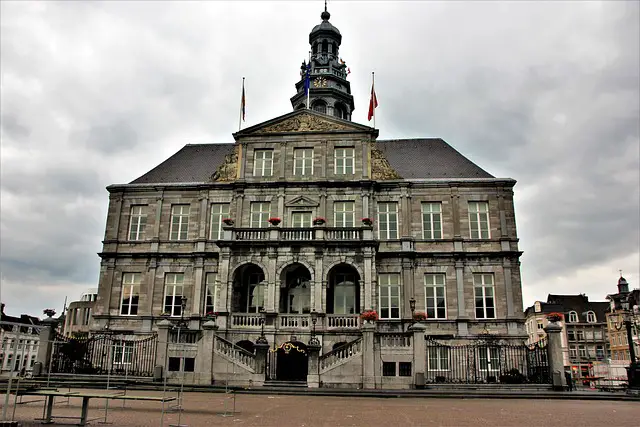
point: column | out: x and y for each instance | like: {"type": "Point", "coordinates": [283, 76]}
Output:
{"type": "Point", "coordinates": [366, 211]}
{"type": "Point", "coordinates": [455, 211]}
{"type": "Point", "coordinates": [115, 231]}
{"type": "Point", "coordinates": [156, 226]}
{"type": "Point", "coordinates": [462, 312]}
{"type": "Point", "coordinates": [109, 277]}
{"type": "Point", "coordinates": [322, 209]}
{"type": "Point", "coordinates": [318, 285]}
{"type": "Point", "coordinates": [271, 284]}
{"type": "Point", "coordinates": [506, 267]}
{"type": "Point", "coordinates": [226, 285]}
{"type": "Point", "coordinates": [283, 157]}
{"type": "Point", "coordinates": [368, 356]}
{"type": "Point", "coordinates": [554, 352]}
{"type": "Point", "coordinates": [419, 354]}
{"type": "Point", "coordinates": [239, 210]}
{"type": "Point", "coordinates": [196, 297]}
{"type": "Point", "coordinates": [407, 286]}
{"type": "Point", "coordinates": [405, 214]}
{"type": "Point", "coordinates": [369, 281]}
{"type": "Point", "coordinates": [243, 159]}
{"type": "Point", "coordinates": [503, 215]}
{"type": "Point", "coordinates": [202, 225]}
{"type": "Point", "coordinates": [313, 372]}
{"type": "Point", "coordinates": [281, 212]}
{"type": "Point", "coordinates": [151, 284]}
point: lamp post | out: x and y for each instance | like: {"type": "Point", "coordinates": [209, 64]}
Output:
{"type": "Point", "coordinates": [262, 339]}
{"type": "Point", "coordinates": [412, 307]}
{"type": "Point", "coordinates": [633, 371]}
{"type": "Point", "coordinates": [314, 319]}
{"type": "Point", "coordinates": [181, 324]}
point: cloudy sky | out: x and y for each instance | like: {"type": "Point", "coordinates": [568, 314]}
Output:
{"type": "Point", "coordinates": [547, 93]}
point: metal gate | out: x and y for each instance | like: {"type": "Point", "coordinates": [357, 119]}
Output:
{"type": "Point", "coordinates": [104, 354]}
{"type": "Point", "coordinates": [487, 361]}
{"type": "Point", "coordinates": [272, 365]}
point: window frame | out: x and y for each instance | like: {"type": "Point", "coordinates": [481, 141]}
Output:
{"type": "Point", "coordinates": [573, 317]}
{"type": "Point", "coordinates": [475, 217]}
{"type": "Point", "coordinates": [261, 214]}
{"type": "Point", "coordinates": [441, 353]}
{"type": "Point", "coordinates": [431, 286]}
{"type": "Point", "coordinates": [385, 230]}
{"type": "Point", "coordinates": [183, 222]}
{"type": "Point", "coordinates": [303, 223]}
{"type": "Point", "coordinates": [431, 220]}
{"type": "Point", "coordinates": [591, 317]}
{"type": "Point", "coordinates": [219, 211]}
{"type": "Point", "coordinates": [344, 157]}
{"type": "Point", "coordinates": [211, 292]}
{"type": "Point", "coordinates": [139, 220]}
{"type": "Point", "coordinates": [175, 308]}
{"type": "Point", "coordinates": [303, 163]}
{"type": "Point", "coordinates": [387, 284]}
{"type": "Point", "coordinates": [484, 286]}
{"type": "Point", "coordinates": [264, 160]}
{"type": "Point", "coordinates": [133, 284]}
{"type": "Point", "coordinates": [344, 213]}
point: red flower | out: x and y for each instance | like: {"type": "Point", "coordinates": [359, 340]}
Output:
{"type": "Point", "coordinates": [369, 315]}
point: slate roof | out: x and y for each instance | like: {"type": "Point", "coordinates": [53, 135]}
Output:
{"type": "Point", "coordinates": [581, 305]}
{"type": "Point", "coordinates": [412, 158]}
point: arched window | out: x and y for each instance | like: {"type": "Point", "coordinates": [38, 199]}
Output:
{"type": "Point", "coordinates": [320, 106]}
{"type": "Point", "coordinates": [591, 317]}
{"type": "Point", "coordinates": [340, 111]}
{"type": "Point", "coordinates": [573, 317]}
{"type": "Point", "coordinates": [325, 46]}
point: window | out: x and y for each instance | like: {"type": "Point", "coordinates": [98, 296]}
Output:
{"type": "Point", "coordinates": [211, 290]}
{"type": "Point", "coordinates": [130, 294]}
{"type": "Point", "coordinates": [303, 161]}
{"type": "Point", "coordinates": [435, 301]}
{"type": "Point", "coordinates": [388, 369]}
{"type": "Point", "coordinates": [174, 364]}
{"type": "Point", "coordinates": [484, 296]}
{"type": "Point", "coordinates": [219, 211]}
{"type": "Point", "coordinates": [580, 335]}
{"type": "Point", "coordinates": [479, 220]}
{"type": "Point", "coordinates": [344, 161]}
{"type": "Point", "coordinates": [301, 219]}
{"type": "Point", "coordinates": [344, 294]}
{"type": "Point", "coordinates": [260, 212]}
{"type": "Point", "coordinates": [173, 293]}
{"type": "Point", "coordinates": [540, 325]}
{"type": "Point", "coordinates": [600, 352]}
{"type": "Point", "coordinates": [489, 359]}
{"type": "Point", "coordinates": [573, 352]}
{"type": "Point", "coordinates": [438, 358]}
{"type": "Point", "coordinates": [432, 221]}
{"type": "Point", "coordinates": [597, 334]}
{"type": "Point", "coordinates": [344, 214]}
{"type": "Point", "coordinates": [388, 220]}
{"type": "Point", "coordinates": [588, 334]}
{"type": "Point", "coordinates": [179, 222]}
{"type": "Point", "coordinates": [404, 369]}
{"type": "Point", "coordinates": [256, 293]}
{"type": "Point", "coordinates": [573, 317]}
{"type": "Point", "coordinates": [571, 335]}
{"type": "Point", "coordinates": [591, 317]}
{"type": "Point", "coordinates": [582, 351]}
{"type": "Point", "coordinates": [263, 163]}
{"type": "Point", "coordinates": [389, 296]}
{"type": "Point", "coordinates": [137, 222]}
{"type": "Point", "coordinates": [122, 353]}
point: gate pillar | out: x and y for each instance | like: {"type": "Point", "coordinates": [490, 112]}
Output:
{"type": "Point", "coordinates": [368, 356]}
{"type": "Point", "coordinates": [419, 354]}
{"type": "Point", "coordinates": [204, 361]}
{"type": "Point", "coordinates": [262, 349]}
{"type": "Point", "coordinates": [45, 345]}
{"type": "Point", "coordinates": [163, 345]}
{"type": "Point", "coordinates": [313, 374]}
{"type": "Point", "coordinates": [556, 360]}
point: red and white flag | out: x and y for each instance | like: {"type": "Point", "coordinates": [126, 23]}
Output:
{"type": "Point", "coordinates": [373, 103]}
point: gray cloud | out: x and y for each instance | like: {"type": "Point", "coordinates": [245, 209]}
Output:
{"type": "Point", "coordinates": [95, 93]}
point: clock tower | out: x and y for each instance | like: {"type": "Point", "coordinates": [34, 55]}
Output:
{"type": "Point", "coordinates": [329, 90]}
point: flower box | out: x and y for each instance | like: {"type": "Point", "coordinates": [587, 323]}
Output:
{"type": "Point", "coordinates": [275, 221]}
{"type": "Point", "coordinates": [419, 316]}
{"type": "Point", "coordinates": [49, 312]}
{"type": "Point", "coordinates": [369, 315]}
{"type": "Point", "coordinates": [555, 317]}
{"type": "Point", "coordinates": [367, 221]}
{"type": "Point", "coordinates": [228, 221]}
{"type": "Point", "coordinates": [319, 221]}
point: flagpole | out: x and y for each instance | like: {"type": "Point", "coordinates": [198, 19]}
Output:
{"type": "Point", "coordinates": [241, 107]}
{"type": "Point", "coordinates": [308, 72]}
{"type": "Point", "coordinates": [373, 91]}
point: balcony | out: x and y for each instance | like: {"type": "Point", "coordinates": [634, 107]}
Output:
{"type": "Point", "coordinates": [311, 235]}
{"type": "Point", "coordinates": [296, 322]}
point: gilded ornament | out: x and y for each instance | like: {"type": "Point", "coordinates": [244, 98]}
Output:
{"type": "Point", "coordinates": [227, 171]}
{"type": "Point", "coordinates": [303, 123]}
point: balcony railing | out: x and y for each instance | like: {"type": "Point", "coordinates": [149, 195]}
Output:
{"type": "Point", "coordinates": [296, 321]}
{"type": "Point", "coordinates": [343, 321]}
{"type": "Point", "coordinates": [249, 320]}
{"type": "Point", "coordinates": [344, 234]}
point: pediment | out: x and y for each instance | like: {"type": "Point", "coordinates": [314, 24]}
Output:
{"type": "Point", "coordinates": [303, 202]}
{"type": "Point", "coordinates": [304, 121]}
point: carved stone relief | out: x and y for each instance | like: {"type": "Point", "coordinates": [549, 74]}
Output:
{"type": "Point", "coordinates": [228, 170]}
{"type": "Point", "coordinates": [380, 168]}
{"type": "Point", "coordinates": [303, 123]}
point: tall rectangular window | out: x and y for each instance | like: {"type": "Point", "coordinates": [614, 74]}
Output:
{"type": "Point", "coordinates": [344, 161]}
{"type": "Point", "coordinates": [435, 299]}
{"type": "Point", "coordinates": [389, 285]}
{"type": "Point", "coordinates": [137, 222]}
{"type": "Point", "coordinates": [255, 300]}
{"type": "Point", "coordinates": [122, 353]}
{"type": "Point", "coordinates": [173, 291]}
{"type": "Point", "coordinates": [303, 161]}
{"type": "Point", "coordinates": [263, 163]}
{"type": "Point", "coordinates": [432, 220]}
{"type": "Point", "coordinates": [479, 220]}
{"type": "Point", "coordinates": [219, 211]}
{"type": "Point", "coordinates": [484, 296]}
{"type": "Point", "coordinates": [344, 214]}
{"type": "Point", "coordinates": [260, 212]}
{"type": "Point", "coordinates": [211, 292]}
{"type": "Point", "coordinates": [438, 358]}
{"type": "Point", "coordinates": [301, 219]}
{"type": "Point", "coordinates": [179, 222]}
{"type": "Point", "coordinates": [130, 294]}
{"type": "Point", "coordinates": [388, 220]}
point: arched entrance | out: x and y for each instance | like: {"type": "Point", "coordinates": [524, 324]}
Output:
{"type": "Point", "coordinates": [248, 289]}
{"type": "Point", "coordinates": [343, 290]}
{"type": "Point", "coordinates": [292, 362]}
{"type": "Point", "coordinates": [295, 290]}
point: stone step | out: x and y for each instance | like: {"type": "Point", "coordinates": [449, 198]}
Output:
{"type": "Point", "coordinates": [293, 384]}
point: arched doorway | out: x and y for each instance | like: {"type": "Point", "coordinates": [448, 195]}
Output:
{"type": "Point", "coordinates": [248, 289]}
{"type": "Point", "coordinates": [295, 290]}
{"type": "Point", "coordinates": [292, 362]}
{"type": "Point", "coordinates": [343, 290]}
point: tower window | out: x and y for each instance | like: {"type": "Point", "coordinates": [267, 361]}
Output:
{"type": "Point", "coordinates": [320, 107]}
{"type": "Point", "coordinates": [325, 46]}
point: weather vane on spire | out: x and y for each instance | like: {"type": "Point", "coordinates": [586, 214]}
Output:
{"type": "Point", "coordinates": [325, 5]}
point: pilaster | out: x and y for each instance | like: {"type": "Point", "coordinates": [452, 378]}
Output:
{"type": "Point", "coordinates": [506, 267]}
{"type": "Point", "coordinates": [455, 210]}
{"type": "Point", "coordinates": [156, 226]}
{"type": "Point", "coordinates": [368, 356]}
{"type": "Point", "coordinates": [198, 292]}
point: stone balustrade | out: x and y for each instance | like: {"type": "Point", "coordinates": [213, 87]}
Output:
{"type": "Point", "coordinates": [281, 234]}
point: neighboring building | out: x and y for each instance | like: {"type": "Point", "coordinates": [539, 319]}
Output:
{"type": "Point", "coordinates": [618, 339]}
{"type": "Point", "coordinates": [19, 340]}
{"type": "Point", "coordinates": [443, 233]}
{"type": "Point", "coordinates": [535, 320]}
{"type": "Point", "coordinates": [585, 328]}
{"type": "Point", "coordinates": [77, 318]}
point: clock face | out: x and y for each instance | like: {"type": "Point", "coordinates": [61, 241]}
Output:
{"type": "Point", "coordinates": [320, 82]}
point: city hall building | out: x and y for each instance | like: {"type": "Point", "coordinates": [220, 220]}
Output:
{"type": "Point", "coordinates": [253, 261]}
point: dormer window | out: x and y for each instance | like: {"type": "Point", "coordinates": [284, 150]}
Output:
{"type": "Point", "coordinates": [591, 317]}
{"type": "Point", "coordinates": [573, 317]}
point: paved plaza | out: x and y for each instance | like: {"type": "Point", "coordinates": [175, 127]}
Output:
{"type": "Point", "coordinates": [208, 409]}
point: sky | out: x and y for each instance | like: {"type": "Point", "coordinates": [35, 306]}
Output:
{"type": "Point", "coordinates": [98, 93]}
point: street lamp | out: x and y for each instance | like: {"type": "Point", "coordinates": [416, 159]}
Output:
{"type": "Point", "coordinates": [314, 319]}
{"type": "Point", "coordinates": [633, 371]}
{"type": "Point", "coordinates": [263, 315]}
{"type": "Point", "coordinates": [412, 306]}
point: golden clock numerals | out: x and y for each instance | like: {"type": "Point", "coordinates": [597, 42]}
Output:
{"type": "Point", "coordinates": [320, 82]}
